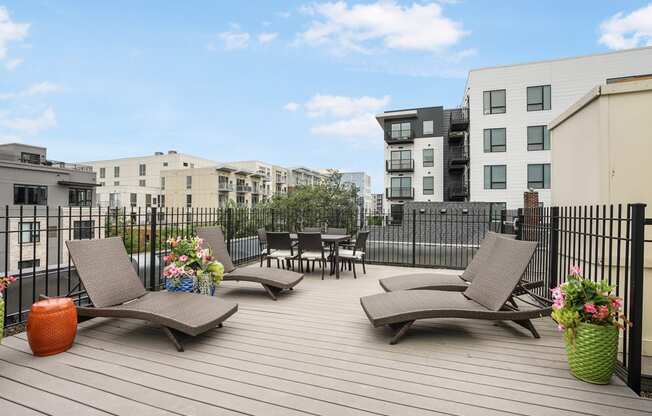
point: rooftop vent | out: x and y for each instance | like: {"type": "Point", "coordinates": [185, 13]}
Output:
{"type": "Point", "coordinates": [172, 152]}
{"type": "Point", "coordinates": [158, 153]}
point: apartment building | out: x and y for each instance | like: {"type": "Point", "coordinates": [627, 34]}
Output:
{"type": "Point", "coordinates": [47, 201]}
{"type": "Point", "coordinates": [213, 187]}
{"type": "Point", "coordinates": [379, 200]}
{"type": "Point", "coordinates": [426, 155]}
{"type": "Point", "coordinates": [134, 182]}
{"type": "Point", "coordinates": [302, 176]}
{"type": "Point", "coordinates": [510, 109]}
{"type": "Point", "coordinates": [274, 178]}
{"type": "Point", "coordinates": [362, 182]}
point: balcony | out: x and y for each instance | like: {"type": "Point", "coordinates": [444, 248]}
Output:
{"type": "Point", "coordinates": [400, 193]}
{"type": "Point", "coordinates": [243, 188]}
{"type": "Point", "coordinates": [456, 135]}
{"type": "Point", "coordinates": [459, 119]}
{"type": "Point", "coordinates": [458, 157]}
{"type": "Point", "coordinates": [225, 187]}
{"type": "Point", "coordinates": [401, 165]}
{"type": "Point", "coordinates": [458, 192]}
{"type": "Point", "coordinates": [398, 137]}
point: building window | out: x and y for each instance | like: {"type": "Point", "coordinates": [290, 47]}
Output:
{"type": "Point", "coordinates": [142, 169]}
{"type": "Point", "coordinates": [401, 130]}
{"type": "Point", "coordinates": [538, 176]}
{"type": "Point", "coordinates": [30, 195]}
{"type": "Point", "coordinates": [142, 182]}
{"type": "Point", "coordinates": [240, 200]}
{"type": "Point", "coordinates": [428, 158]}
{"type": "Point", "coordinates": [400, 159]}
{"type": "Point", "coordinates": [116, 183]}
{"type": "Point", "coordinates": [30, 232]}
{"type": "Point", "coordinates": [102, 183]}
{"type": "Point", "coordinates": [538, 138]}
{"type": "Point", "coordinates": [33, 158]}
{"type": "Point", "coordinates": [188, 182]}
{"type": "Point", "coordinates": [494, 102]}
{"type": "Point", "coordinates": [133, 200]}
{"type": "Point", "coordinates": [163, 182]}
{"type": "Point", "coordinates": [116, 171]}
{"type": "Point", "coordinates": [495, 177]}
{"type": "Point", "coordinates": [538, 98]}
{"type": "Point", "coordinates": [165, 164]}
{"type": "Point", "coordinates": [401, 187]}
{"type": "Point", "coordinates": [83, 230]}
{"type": "Point", "coordinates": [29, 264]}
{"type": "Point", "coordinates": [495, 140]}
{"type": "Point", "coordinates": [185, 164]}
{"type": "Point", "coordinates": [78, 197]}
{"type": "Point", "coordinates": [161, 200]}
{"type": "Point", "coordinates": [428, 185]}
{"type": "Point", "coordinates": [428, 127]}
{"type": "Point", "coordinates": [188, 201]}
{"type": "Point", "coordinates": [102, 173]}
{"type": "Point", "coordinates": [148, 200]}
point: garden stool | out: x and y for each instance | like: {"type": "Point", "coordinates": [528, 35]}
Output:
{"type": "Point", "coordinates": [51, 326]}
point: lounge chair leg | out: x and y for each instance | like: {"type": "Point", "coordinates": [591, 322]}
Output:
{"type": "Point", "coordinates": [527, 324]}
{"type": "Point", "coordinates": [512, 301]}
{"type": "Point", "coordinates": [364, 270]}
{"type": "Point", "coordinates": [173, 338]}
{"type": "Point", "coordinates": [401, 329]}
{"type": "Point", "coordinates": [355, 276]}
{"type": "Point", "coordinates": [272, 292]}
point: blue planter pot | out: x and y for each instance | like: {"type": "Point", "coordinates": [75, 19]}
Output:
{"type": "Point", "coordinates": [185, 284]}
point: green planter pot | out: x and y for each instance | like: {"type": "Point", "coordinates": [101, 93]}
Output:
{"type": "Point", "coordinates": [592, 358]}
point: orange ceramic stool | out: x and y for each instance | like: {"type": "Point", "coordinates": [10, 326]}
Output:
{"type": "Point", "coordinates": [51, 326]}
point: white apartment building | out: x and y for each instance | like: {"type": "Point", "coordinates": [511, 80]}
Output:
{"type": "Point", "coordinates": [275, 178]}
{"type": "Point", "coordinates": [137, 181]}
{"type": "Point", "coordinates": [302, 176]}
{"type": "Point", "coordinates": [510, 107]}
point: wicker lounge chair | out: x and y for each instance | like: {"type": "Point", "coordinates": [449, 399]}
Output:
{"type": "Point", "coordinates": [273, 280]}
{"type": "Point", "coordinates": [450, 282]}
{"type": "Point", "coordinates": [116, 291]}
{"type": "Point", "coordinates": [486, 298]}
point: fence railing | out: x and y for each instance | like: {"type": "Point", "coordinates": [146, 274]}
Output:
{"type": "Point", "coordinates": [606, 241]}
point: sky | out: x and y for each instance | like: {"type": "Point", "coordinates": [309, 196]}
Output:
{"type": "Point", "coordinates": [287, 82]}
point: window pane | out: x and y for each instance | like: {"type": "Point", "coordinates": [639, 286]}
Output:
{"type": "Point", "coordinates": [396, 182]}
{"type": "Point", "coordinates": [498, 137]}
{"type": "Point", "coordinates": [546, 97]}
{"type": "Point", "coordinates": [487, 177]}
{"type": "Point", "coordinates": [534, 95]}
{"type": "Point", "coordinates": [546, 176]}
{"type": "Point", "coordinates": [428, 127]}
{"type": "Point", "coordinates": [486, 102]}
{"type": "Point", "coordinates": [546, 138]}
{"type": "Point", "coordinates": [487, 140]}
{"type": "Point", "coordinates": [499, 174]}
{"type": "Point", "coordinates": [498, 98]}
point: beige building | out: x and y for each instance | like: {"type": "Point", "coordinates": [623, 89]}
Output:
{"type": "Point", "coordinates": [137, 181]}
{"type": "Point", "coordinates": [274, 180]}
{"type": "Point", "coordinates": [602, 154]}
{"type": "Point", "coordinates": [302, 176]}
{"type": "Point", "coordinates": [213, 187]}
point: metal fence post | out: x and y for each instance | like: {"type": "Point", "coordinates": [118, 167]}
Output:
{"type": "Point", "coordinates": [229, 230]}
{"type": "Point", "coordinates": [519, 224]}
{"type": "Point", "coordinates": [414, 237]}
{"type": "Point", "coordinates": [636, 301]}
{"type": "Point", "coordinates": [553, 248]}
{"type": "Point", "coordinates": [503, 219]}
{"type": "Point", "coordinates": [153, 242]}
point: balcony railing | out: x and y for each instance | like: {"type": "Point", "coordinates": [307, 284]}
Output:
{"type": "Point", "coordinates": [458, 192]}
{"type": "Point", "coordinates": [225, 187]}
{"type": "Point", "coordinates": [459, 119]}
{"type": "Point", "coordinates": [402, 136]}
{"type": "Point", "coordinates": [402, 165]}
{"type": "Point", "coordinates": [458, 157]}
{"type": "Point", "coordinates": [243, 188]}
{"type": "Point", "coordinates": [456, 135]}
{"type": "Point", "coordinates": [400, 193]}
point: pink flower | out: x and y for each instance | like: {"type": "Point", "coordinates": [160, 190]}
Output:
{"type": "Point", "coordinates": [560, 328]}
{"type": "Point", "coordinates": [589, 308]}
{"type": "Point", "coordinates": [558, 304]}
{"type": "Point", "coordinates": [603, 312]}
{"type": "Point", "coordinates": [617, 303]}
{"type": "Point", "coordinates": [575, 270]}
{"type": "Point", "coordinates": [166, 259]}
{"type": "Point", "coordinates": [183, 258]}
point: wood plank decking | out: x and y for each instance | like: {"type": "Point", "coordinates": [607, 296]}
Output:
{"type": "Point", "coordinates": [311, 352]}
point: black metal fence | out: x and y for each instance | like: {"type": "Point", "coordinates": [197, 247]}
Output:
{"type": "Point", "coordinates": [606, 241]}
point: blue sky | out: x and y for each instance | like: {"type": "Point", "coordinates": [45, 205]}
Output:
{"type": "Point", "coordinates": [292, 82]}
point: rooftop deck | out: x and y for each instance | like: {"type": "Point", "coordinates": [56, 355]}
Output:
{"type": "Point", "coordinates": [311, 352]}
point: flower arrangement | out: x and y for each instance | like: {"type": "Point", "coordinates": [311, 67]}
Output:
{"type": "Point", "coordinates": [190, 261]}
{"type": "Point", "coordinates": [589, 314]}
{"type": "Point", "coordinates": [5, 282]}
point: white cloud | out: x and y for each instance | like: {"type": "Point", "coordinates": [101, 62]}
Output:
{"type": "Point", "coordinates": [40, 88]}
{"type": "Point", "coordinates": [622, 31]}
{"type": "Point", "coordinates": [267, 37]}
{"type": "Point", "coordinates": [291, 106]}
{"type": "Point", "coordinates": [12, 64]}
{"type": "Point", "coordinates": [362, 27]}
{"type": "Point", "coordinates": [342, 106]}
{"type": "Point", "coordinates": [10, 31]}
{"type": "Point", "coordinates": [30, 125]}
{"type": "Point", "coordinates": [359, 126]}
{"type": "Point", "coordinates": [231, 40]}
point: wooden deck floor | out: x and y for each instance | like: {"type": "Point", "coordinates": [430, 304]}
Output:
{"type": "Point", "coordinates": [311, 352]}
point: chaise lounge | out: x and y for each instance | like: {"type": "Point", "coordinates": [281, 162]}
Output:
{"type": "Point", "coordinates": [116, 291]}
{"type": "Point", "coordinates": [451, 282]}
{"type": "Point", "coordinates": [273, 280]}
{"type": "Point", "coordinates": [486, 298]}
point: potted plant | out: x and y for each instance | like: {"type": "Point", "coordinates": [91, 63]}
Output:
{"type": "Point", "coordinates": [5, 281]}
{"type": "Point", "coordinates": [190, 267]}
{"type": "Point", "coordinates": [589, 314]}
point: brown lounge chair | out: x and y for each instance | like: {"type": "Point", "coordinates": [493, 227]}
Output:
{"type": "Point", "coordinates": [116, 291]}
{"type": "Point", "coordinates": [486, 298]}
{"type": "Point", "coordinates": [273, 280]}
{"type": "Point", "coordinates": [451, 282]}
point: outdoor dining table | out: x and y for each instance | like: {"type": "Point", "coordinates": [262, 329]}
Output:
{"type": "Point", "coordinates": [333, 240]}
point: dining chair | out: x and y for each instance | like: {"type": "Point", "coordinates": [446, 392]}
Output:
{"type": "Point", "coordinates": [279, 246]}
{"type": "Point", "coordinates": [357, 254]}
{"type": "Point", "coordinates": [311, 248]}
